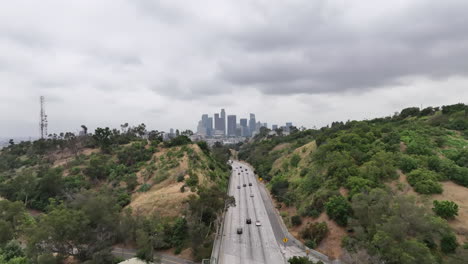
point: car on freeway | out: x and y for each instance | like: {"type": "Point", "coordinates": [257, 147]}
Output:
{"type": "Point", "coordinates": [257, 223]}
{"type": "Point", "coordinates": [248, 221]}
{"type": "Point", "coordinates": [239, 230]}
{"type": "Point", "coordinates": [238, 173]}
{"type": "Point", "coordinates": [238, 186]}
{"type": "Point", "coordinates": [245, 185]}
{"type": "Point", "coordinates": [250, 184]}
{"type": "Point", "coordinates": [251, 195]}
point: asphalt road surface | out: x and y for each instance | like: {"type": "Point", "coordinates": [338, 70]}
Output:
{"type": "Point", "coordinates": [256, 244]}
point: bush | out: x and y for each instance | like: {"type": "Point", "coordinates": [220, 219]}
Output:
{"type": "Point", "coordinates": [310, 243]}
{"type": "Point", "coordinates": [425, 181]}
{"type": "Point", "coordinates": [315, 232]}
{"type": "Point", "coordinates": [295, 159]}
{"type": "Point", "coordinates": [408, 163]}
{"type": "Point", "coordinates": [180, 178]}
{"type": "Point", "coordinates": [445, 209]}
{"type": "Point", "coordinates": [296, 220]}
{"type": "Point", "coordinates": [338, 209]}
{"type": "Point", "coordinates": [144, 188]}
{"type": "Point", "coordinates": [448, 243]}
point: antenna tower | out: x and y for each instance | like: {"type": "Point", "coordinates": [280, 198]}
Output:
{"type": "Point", "coordinates": [43, 124]}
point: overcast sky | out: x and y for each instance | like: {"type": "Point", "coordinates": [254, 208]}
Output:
{"type": "Point", "coordinates": [165, 63]}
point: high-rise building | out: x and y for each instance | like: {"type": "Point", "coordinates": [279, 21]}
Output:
{"type": "Point", "coordinates": [223, 120]}
{"type": "Point", "coordinates": [274, 127]}
{"type": "Point", "coordinates": [288, 126]}
{"type": "Point", "coordinates": [252, 124]}
{"type": "Point", "coordinates": [217, 122]}
{"type": "Point", "coordinates": [231, 125]}
{"type": "Point", "coordinates": [244, 127]}
{"type": "Point", "coordinates": [209, 126]}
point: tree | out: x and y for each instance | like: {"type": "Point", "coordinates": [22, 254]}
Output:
{"type": "Point", "coordinates": [448, 243]}
{"type": "Point", "coordinates": [410, 111]}
{"type": "Point", "coordinates": [338, 209]}
{"type": "Point", "coordinates": [445, 209]}
{"type": "Point", "coordinates": [300, 260]}
{"type": "Point", "coordinates": [102, 136]}
{"type": "Point", "coordinates": [85, 129]}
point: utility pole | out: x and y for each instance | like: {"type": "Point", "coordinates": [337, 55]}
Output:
{"type": "Point", "coordinates": [43, 118]}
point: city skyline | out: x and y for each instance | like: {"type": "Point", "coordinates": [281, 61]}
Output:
{"type": "Point", "coordinates": [229, 127]}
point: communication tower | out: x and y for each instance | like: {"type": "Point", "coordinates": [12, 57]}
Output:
{"type": "Point", "coordinates": [43, 123]}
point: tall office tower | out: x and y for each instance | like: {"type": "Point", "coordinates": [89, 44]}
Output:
{"type": "Point", "coordinates": [231, 125]}
{"type": "Point", "coordinates": [201, 129]}
{"type": "Point", "coordinates": [209, 126]}
{"type": "Point", "coordinates": [217, 122]}
{"type": "Point", "coordinates": [244, 128]}
{"type": "Point", "coordinates": [274, 127]}
{"type": "Point", "coordinates": [238, 130]}
{"type": "Point", "coordinates": [252, 124]}
{"type": "Point", "coordinates": [223, 120]}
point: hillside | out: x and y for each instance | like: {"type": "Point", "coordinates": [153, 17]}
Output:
{"type": "Point", "coordinates": [363, 191]}
{"type": "Point", "coordinates": [86, 194]}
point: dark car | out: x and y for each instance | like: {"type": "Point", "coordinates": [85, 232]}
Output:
{"type": "Point", "coordinates": [248, 221]}
{"type": "Point", "coordinates": [245, 185]}
{"type": "Point", "coordinates": [238, 186]}
{"type": "Point", "coordinates": [238, 173]}
{"type": "Point", "coordinates": [250, 184]}
{"type": "Point", "coordinates": [239, 230]}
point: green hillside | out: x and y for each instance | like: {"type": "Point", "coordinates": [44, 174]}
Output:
{"type": "Point", "coordinates": [347, 171]}
{"type": "Point", "coordinates": [73, 198]}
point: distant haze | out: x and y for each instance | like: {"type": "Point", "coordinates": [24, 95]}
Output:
{"type": "Point", "coordinates": [165, 63]}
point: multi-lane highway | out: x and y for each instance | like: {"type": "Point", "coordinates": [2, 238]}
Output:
{"type": "Point", "coordinates": [257, 243]}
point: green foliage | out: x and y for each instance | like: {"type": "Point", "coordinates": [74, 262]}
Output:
{"type": "Point", "coordinates": [357, 184]}
{"type": "Point", "coordinates": [178, 141]}
{"type": "Point", "coordinates": [295, 159]}
{"type": "Point", "coordinates": [300, 260]}
{"type": "Point", "coordinates": [445, 209]}
{"type": "Point", "coordinates": [102, 136]}
{"type": "Point", "coordinates": [410, 111]}
{"type": "Point", "coordinates": [133, 154]}
{"type": "Point", "coordinates": [425, 181]}
{"type": "Point", "coordinates": [315, 232]}
{"type": "Point", "coordinates": [448, 243]}
{"type": "Point", "coordinates": [338, 209]}
{"type": "Point", "coordinates": [144, 187]}
{"type": "Point", "coordinates": [296, 220]}
{"type": "Point", "coordinates": [407, 163]}
{"type": "Point", "coordinates": [98, 168]}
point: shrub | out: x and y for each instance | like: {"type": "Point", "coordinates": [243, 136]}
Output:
{"type": "Point", "coordinates": [295, 159]}
{"type": "Point", "coordinates": [425, 181]}
{"type": "Point", "coordinates": [180, 178]}
{"type": "Point", "coordinates": [144, 188]}
{"type": "Point", "coordinates": [448, 243]}
{"type": "Point", "coordinates": [408, 163]}
{"type": "Point", "coordinates": [338, 209]}
{"type": "Point", "coordinates": [428, 187]}
{"type": "Point", "coordinates": [296, 220]}
{"type": "Point", "coordinates": [310, 244]}
{"type": "Point", "coordinates": [445, 209]}
{"type": "Point", "coordinates": [315, 232]}
{"type": "Point", "coordinates": [300, 260]}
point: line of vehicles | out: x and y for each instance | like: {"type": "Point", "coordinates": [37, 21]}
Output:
{"type": "Point", "coordinates": [247, 220]}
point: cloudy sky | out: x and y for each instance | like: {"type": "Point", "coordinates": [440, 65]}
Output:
{"type": "Point", "coordinates": [165, 63]}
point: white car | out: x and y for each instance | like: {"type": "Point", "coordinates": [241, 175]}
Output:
{"type": "Point", "coordinates": [257, 223]}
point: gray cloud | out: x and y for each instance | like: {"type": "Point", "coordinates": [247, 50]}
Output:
{"type": "Point", "coordinates": [167, 62]}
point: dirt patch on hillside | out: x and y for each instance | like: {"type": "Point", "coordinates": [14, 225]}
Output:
{"type": "Point", "coordinates": [167, 201]}
{"type": "Point", "coordinates": [452, 192]}
{"type": "Point", "coordinates": [281, 146]}
{"type": "Point", "coordinates": [403, 147]}
{"type": "Point", "coordinates": [459, 195]}
{"type": "Point", "coordinates": [344, 192]}
{"type": "Point", "coordinates": [185, 254]}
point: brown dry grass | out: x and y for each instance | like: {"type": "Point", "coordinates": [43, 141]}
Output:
{"type": "Point", "coordinates": [452, 192]}
{"type": "Point", "coordinates": [165, 199]}
{"type": "Point", "coordinates": [281, 146]}
{"type": "Point", "coordinates": [459, 195]}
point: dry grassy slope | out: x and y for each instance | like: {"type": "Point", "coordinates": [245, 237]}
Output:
{"type": "Point", "coordinates": [165, 198]}
{"type": "Point", "coordinates": [452, 192]}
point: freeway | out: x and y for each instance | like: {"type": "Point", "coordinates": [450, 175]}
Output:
{"type": "Point", "coordinates": [257, 243]}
